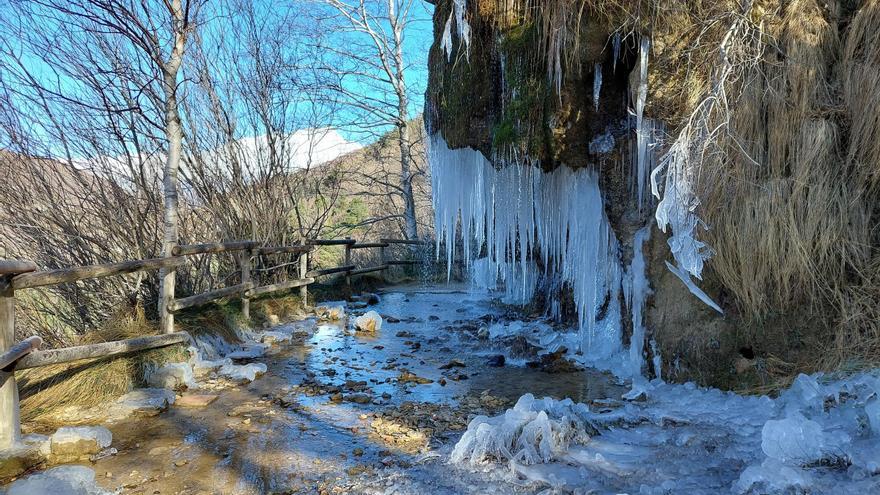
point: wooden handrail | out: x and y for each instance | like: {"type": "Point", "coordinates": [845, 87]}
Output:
{"type": "Point", "coordinates": [290, 284]}
{"type": "Point", "coordinates": [18, 351]}
{"type": "Point", "coordinates": [104, 349]}
{"type": "Point", "coordinates": [369, 269]}
{"type": "Point", "coordinates": [15, 267]}
{"type": "Point", "coordinates": [330, 242]}
{"type": "Point", "coordinates": [213, 247]}
{"type": "Point", "coordinates": [365, 245]}
{"type": "Point", "coordinates": [205, 297]}
{"type": "Point", "coordinates": [284, 249]}
{"type": "Point", "coordinates": [404, 241]}
{"type": "Point", "coordinates": [328, 271]}
{"type": "Point", "coordinates": [52, 277]}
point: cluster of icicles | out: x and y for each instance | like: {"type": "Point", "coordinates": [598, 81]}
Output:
{"type": "Point", "coordinates": [507, 215]}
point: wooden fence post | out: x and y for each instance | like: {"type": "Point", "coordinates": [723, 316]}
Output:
{"type": "Point", "coordinates": [382, 261]}
{"type": "Point", "coordinates": [348, 262]}
{"type": "Point", "coordinates": [303, 270]}
{"type": "Point", "coordinates": [10, 426]}
{"type": "Point", "coordinates": [245, 262]}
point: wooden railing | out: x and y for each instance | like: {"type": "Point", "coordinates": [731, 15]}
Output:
{"type": "Point", "coordinates": [19, 275]}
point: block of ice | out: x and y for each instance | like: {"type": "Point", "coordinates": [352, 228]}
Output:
{"type": "Point", "coordinates": [772, 476]}
{"type": "Point", "coordinates": [533, 431]}
{"type": "Point", "coordinates": [794, 440]}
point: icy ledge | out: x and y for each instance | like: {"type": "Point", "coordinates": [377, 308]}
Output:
{"type": "Point", "coordinates": [819, 436]}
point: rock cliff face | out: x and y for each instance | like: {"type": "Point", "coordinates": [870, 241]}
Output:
{"type": "Point", "coordinates": [612, 89]}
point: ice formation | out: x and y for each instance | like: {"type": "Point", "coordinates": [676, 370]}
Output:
{"type": "Point", "coordinates": [642, 134]}
{"type": "Point", "coordinates": [459, 8]}
{"type": "Point", "coordinates": [597, 84]}
{"type": "Point", "coordinates": [369, 322]}
{"type": "Point", "coordinates": [615, 50]}
{"type": "Point", "coordinates": [61, 480]}
{"type": "Point", "coordinates": [533, 431]}
{"type": "Point", "coordinates": [686, 439]}
{"type": "Point", "coordinates": [637, 290]}
{"type": "Point", "coordinates": [511, 214]}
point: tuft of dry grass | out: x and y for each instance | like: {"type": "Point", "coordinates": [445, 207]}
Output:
{"type": "Point", "coordinates": [93, 382]}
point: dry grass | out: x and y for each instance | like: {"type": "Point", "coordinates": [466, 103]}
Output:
{"type": "Point", "coordinates": [93, 382]}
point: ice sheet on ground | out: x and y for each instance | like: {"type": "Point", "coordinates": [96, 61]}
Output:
{"type": "Point", "coordinates": [61, 480]}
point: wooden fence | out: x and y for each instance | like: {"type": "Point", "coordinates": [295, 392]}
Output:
{"type": "Point", "coordinates": [18, 275]}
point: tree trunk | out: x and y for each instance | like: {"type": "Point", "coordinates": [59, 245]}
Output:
{"type": "Point", "coordinates": [174, 135]}
{"type": "Point", "coordinates": [406, 180]}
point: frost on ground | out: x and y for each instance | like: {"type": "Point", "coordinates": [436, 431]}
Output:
{"type": "Point", "coordinates": [817, 437]}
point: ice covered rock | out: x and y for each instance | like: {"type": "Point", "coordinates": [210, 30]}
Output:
{"type": "Point", "coordinates": [772, 476]}
{"type": "Point", "coordinates": [332, 313]}
{"type": "Point", "coordinates": [21, 458]}
{"type": "Point", "coordinates": [70, 443]}
{"type": "Point", "coordinates": [272, 338]}
{"type": "Point", "coordinates": [142, 402]}
{"type": "Point", "coordinates": [245, 373]}
{"type": "Point", "coordinates": [794, 440]}
{"type": "Point", "coordinates": [370, 322]}
{"type": "Point", "coordinates": [173, 376]}
{"type": "Point", "coordinates": [248, 351]}
{"type": "Point", "coordinates": [62, 480]}
{"type": "Point", "coordinates": [533, 431]}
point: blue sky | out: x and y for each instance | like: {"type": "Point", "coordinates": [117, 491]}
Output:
{"type": "Point", "coordinates": [417, 41]}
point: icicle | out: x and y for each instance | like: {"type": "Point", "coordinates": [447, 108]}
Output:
{"type": "Point", "coordinates": [615, 50]}
{"type": "Point", "coordinates": [639, 292]}
{"type": "Point", "coordinates": [446, 40]}
{"type": "Point", "coordinates": [512, 211]}
{"type": "Point", "coordinates": [597, 84]}
{"type": "Point", "coordinates": [641, 133]}
{"type": "Point", "coordinates": [686, 278]}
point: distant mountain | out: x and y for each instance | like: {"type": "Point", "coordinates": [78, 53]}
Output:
{"type": "Point", "coordinates": [302, 149]}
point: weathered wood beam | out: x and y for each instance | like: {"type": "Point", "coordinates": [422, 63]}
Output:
{"type": "Point", "coordinates": [330, 242]}
{"type": "Point", "coordinates": [365, 245]}
{"type": "Point", "coordinates": [404, 241]}
{"type": "Point", "coordinates": [64, 275]}
{"type": "Point", "coordinates": [19, 351]}
{"type": "Point", "coordinates": [206, 297]}
{"type": "Point", "coordinates": [213, 247]}
{"type": "Point", "coordinates": [104, 349]}
{"type": "Point", "coordinates": [328, 271]}
{"type": "Point", "coordinates": [370, 269]}
{"type": "Point", "coordinates": [284, 249]}
{"type": "Point", "coordinates": [290, 284]}
{"type": "Point", "coordinates": [15, 267]}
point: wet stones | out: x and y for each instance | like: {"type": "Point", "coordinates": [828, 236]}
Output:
{"type": "Point", "coordinates": [196, 400]}
{"type": "Point", "coordinates": [496, 361]}
{"type": "Point", "coordinates": [555, 362]}
{"type": "Point", "coordinates": [407, 376]}
{"type": "Point", "coordinates": [454, 363]}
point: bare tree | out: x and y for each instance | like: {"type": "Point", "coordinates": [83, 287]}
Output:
{"type": "Point", "coordinates": [372, 78]}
